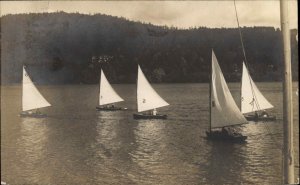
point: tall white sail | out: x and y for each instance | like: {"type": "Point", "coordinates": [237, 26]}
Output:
{"type": "Point", "coordinates": [31, 97]}
{"type": "Point", "coordinates": [224, 111]}
{"type": "Point", "coordinates": [107, 93]}
{"type": "Point", "coordinates": [251, 98]}
{"type": "Point", "coordinates": [147, 98]}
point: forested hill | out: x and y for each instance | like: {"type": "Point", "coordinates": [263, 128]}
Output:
{"type": "Point", "coordinates": [71, 48]}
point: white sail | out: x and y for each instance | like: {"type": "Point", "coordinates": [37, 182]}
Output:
{"type": "Point", "coordinates": [251, 98]}
{"type": "Point", "coordinates": [147, 98]}
{"type": "Point", "coordinates": [107, 94]}
{"type": "Point", "coordinates": [31, 97]}
{"type": "Point", "coordinates": [224, 111]}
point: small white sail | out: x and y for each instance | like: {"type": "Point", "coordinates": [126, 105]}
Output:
{"type": "Point", "coordinates": [31, 97]}
{"type": "Point", "coordinates": [251, 98]}
{"type": "Point", "coordinates": [147, 98]}
{"type": "Point", "coordinates": [107, 93]}
{"type": "Point", "coordinates": [224, 111]}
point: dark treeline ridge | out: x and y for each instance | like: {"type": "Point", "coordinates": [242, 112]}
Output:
{"type": "Point", "coordinates": [60, 48]}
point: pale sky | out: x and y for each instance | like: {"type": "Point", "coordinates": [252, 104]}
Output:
{"type": "Point", "coordinates": [182, 14]}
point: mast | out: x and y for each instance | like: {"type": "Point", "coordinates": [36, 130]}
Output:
{"type": "Point", "coordinates": [137, 78]}
{"type": "Point", "coordinates": [210, 81]}
{"type": "Point", "coordinates": [100, 86]}
{"type": "Point", "coordinates": [288, 149]}
{"type": "Point", "coordinates": [210, 88]}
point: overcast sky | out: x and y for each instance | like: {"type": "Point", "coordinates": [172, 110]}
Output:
{"type": "Point", "coordinates": [182, 14]}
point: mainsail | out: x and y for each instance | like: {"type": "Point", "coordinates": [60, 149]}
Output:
{"type": "Point", "coordinates": [251, 98]}
{"type": "Point", "coordinates": [31, 97]}
{"type": "Point", "coordinates": [107, 94]}
{"type": "Point", "coordinates": [224, 111]}
{"type": "Point", "coordinates": [147, 98]}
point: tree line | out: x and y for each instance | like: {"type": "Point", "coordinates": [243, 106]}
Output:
{"type": "Point", "coordinates": [71, 48]}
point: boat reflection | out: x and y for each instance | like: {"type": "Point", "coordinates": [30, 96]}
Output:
{"type": "Point", "coordinates": [31, 150]}
{"type": "Point", "coordinates": [111, 150]}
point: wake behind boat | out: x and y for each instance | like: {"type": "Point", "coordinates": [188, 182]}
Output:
{"type": "Point", "coordinates": [147, 99]}
{"type": "Point", "coordinates": [32, 99]}
{"type": "Point", "coordinates": [253, 101]}
{"type": "Point", "coordinates": [224, 112]}
{"type": "Point", "coordinates": [108, 96]}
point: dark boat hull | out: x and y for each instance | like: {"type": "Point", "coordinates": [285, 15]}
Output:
{"type": "Point", "coordinates": [220, 136]}
{"type": "Point", "coordinates": [110, 108]}
{"type": "Point", "coordinates": [260, 118]}
{"type": "Point", "coordinates": [148, 116]}
{"type": "Point", "coordinates": [33, 115]}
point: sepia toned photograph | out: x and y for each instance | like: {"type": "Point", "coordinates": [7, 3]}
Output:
{"type": "Point", "coordinates": [149, 92]}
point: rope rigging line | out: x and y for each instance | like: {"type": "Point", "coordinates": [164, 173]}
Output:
{"type": "Point", "coordinates": [240, 32]}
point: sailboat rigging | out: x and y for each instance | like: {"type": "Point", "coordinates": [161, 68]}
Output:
{"type": "Point", "coordinates": [148, 99]}
{"type": "Point", "coordinates": [223, 110]}
{"type": "Point", "coordinates": [107, 96]}
{"type": "Point", "coordinates": [253, 101]}
{"type": "Point", "coordinates": [249, 91]}
{"type": "Point", "coordinates": [32, 99]}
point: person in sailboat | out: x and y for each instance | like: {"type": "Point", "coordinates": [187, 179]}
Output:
{"type": "Point", "coordinates": [154, 112]}
{"type": "Point", "coordinates": [229, 131]}
{"type": "Point", "coordinates": [264, 114]}
{"type": "Point", "coordinates": [224, 131]}
{"type": "Point", "coordinates": [256, 115]}
{"type": "Point", "coordinates": [234, 131]}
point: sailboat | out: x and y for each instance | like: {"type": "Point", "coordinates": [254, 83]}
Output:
{"type": "Point", "coordinates": [252, 100]}
{"type": "Point", "coordinates": [224, 113]}
{"type": "Point", "coordinates": [108, 96]}
{"type": "Point", "coordinates": [147, 99]}
{"type": "Point", "coordinates": [32, 99]}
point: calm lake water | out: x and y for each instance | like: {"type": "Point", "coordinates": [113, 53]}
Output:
{"type": "Point", "coordinates": [76, 144]}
